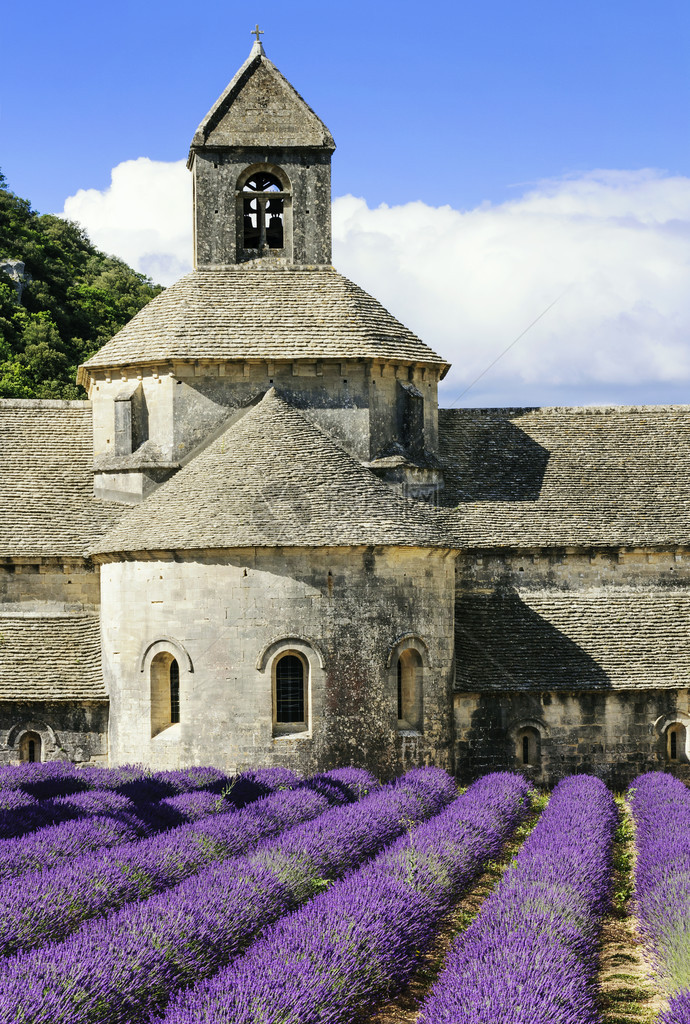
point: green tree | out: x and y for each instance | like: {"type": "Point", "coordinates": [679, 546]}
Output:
{"type": "Point", "coordinates": [73, 300]}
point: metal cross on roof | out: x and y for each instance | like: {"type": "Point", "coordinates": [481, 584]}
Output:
{"type": "Point", "coordinates": [256, 31]}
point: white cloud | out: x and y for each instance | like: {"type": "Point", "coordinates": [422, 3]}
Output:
{"type": "Point", "coordinates": [612, 247]}
{"type": "Point", "coordinates": [145, 217]}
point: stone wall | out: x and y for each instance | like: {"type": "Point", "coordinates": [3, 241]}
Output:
{"type": "Point", "coordinates": [68, 730]}
{"type": "Point", "coordinates": [188, 403]}
{"type": "Point", "coordinates": [70, 584]}
{"type": "Point", "coordinates": [217, 214]}
{"type": "Point", "coordinates": [584, 650]}
{"type": "Point", "coordinates": [615, 735]}
{"type": "Point", "coordinates": [227, 617]}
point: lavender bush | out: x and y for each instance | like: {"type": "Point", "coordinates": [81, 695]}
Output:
{"type": "Point", "coordinates": [335, 957]}
{"type": "Point", "coordinates": [661, 810]}
{"type": "Point", "coordinates": [106, 819]}
{"type": "Point", "coordinates": [530, 955]}
{"type": "Point", "coordinates": [43, 779]}
{"type": "Point", "coordinates": [47, 847]}
{"type": "Point", "coordinates": [121, 968]}
{"type": "Point", "coordinates": [678, 1010]}
{"type": "Point", "coordinates": [40, 906]}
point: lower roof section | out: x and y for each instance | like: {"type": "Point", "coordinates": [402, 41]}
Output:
{"type": "Point", "coordinates": [47, 507]}
{"type": "Point", "coordinates": [610, 639]}
{"type": "Point", "coordinates": [50, 657]}
{"type": "Point", "coordinates": [590, 476]}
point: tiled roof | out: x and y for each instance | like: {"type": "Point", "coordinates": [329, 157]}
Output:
{"type": "Point", "coordinates": [50, 657]}
{"type": "Point", "coordinates": [273, 479]}
{"type": "Point", "coordinates": [262, 311]}
{"type": "Point", "coordinates": [46, 479]}
{"type": "Point", "coordinates": [582, 476]}
{"type": "Point", "coordinates": [548, 640]}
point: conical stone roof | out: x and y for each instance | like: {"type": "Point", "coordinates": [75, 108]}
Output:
{"type": "Point", "coordinates": [261, 311]}
{"type": "Point", "coordinates": [273, 479]}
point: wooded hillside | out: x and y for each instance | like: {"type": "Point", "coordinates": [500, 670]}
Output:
{"type": "Point", "coordinates": [72, 299]}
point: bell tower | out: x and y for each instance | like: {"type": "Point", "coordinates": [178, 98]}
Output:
{"type": "Point", "coordinates": [261, 165]}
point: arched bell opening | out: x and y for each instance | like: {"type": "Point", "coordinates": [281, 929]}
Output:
{"type": "Point", "coordinates": [264, 213]}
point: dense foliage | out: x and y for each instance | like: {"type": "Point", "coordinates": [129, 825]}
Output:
{"type": "Point", "coordinates": [74, 299]}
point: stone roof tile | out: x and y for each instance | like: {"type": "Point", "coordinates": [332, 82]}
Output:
{"type": "Point", "coordinates": [273, 479]}
{"type": "Point", "coordinates": [261, 311]}
{"type": "Point", "coordinates": [47, 505]}
{"type": "Point", "coordinates": [261, 108]}
{"type": "Point", "coordinates": [50, 657]}
{"type": "Point", "coordinates": [619, 638]}
{"type": "Point", "coordinates": [580, 476]}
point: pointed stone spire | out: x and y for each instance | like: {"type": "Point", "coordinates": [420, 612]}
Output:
{"type": "Point", "coordinates": [262, 177]}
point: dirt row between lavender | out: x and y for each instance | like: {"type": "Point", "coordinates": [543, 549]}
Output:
{"type": "Point", "coordinates": [628, 991]}
{"type": "Point", "coordinates": [404, 1007]}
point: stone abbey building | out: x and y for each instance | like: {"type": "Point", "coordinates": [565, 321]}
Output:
{"type": "Point", "coordinates": [261, 542]}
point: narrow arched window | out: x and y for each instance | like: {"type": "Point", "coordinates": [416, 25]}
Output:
{"type": "Point", "coordinates": [165, 692]}
{"type": "Point", "coordinates": [289, 692]}
{"type": "Point", "coordinates": [30, 747]}
{"type": "Point", "coordinates": [174, 692]}
{"type": "Point", "coordinates": [263, 208]}
{"type": "Point", "coordinates": [528, 747]}
{"type": "Point", "coordinates": [410, 699]}
{"type": "Point", "coordinates": [676, 742]}
{"type": "Point", "coordinates": [400, 690]}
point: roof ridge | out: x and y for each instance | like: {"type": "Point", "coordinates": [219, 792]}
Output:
{"type": "Point", "coordinates": [587, 410]}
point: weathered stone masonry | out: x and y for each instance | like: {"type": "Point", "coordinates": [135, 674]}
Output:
{"type": "Point", "coordinates": [261, 542]}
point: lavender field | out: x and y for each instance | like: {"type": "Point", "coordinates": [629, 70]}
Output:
{"type": "Point", "coordinates": [132, 897]}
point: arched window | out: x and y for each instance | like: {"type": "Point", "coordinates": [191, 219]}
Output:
{"type": "Point", "coordinates": [528, 747]}
{"type": "Point", "coordinates": [30, 747]}
{"type": "Point", "coordinates": [264, 203]}
{"type": "Point", "coordinates": [290, 701]}
{"type": "Point", "coordinates": [165, 692]}
{"type": "Point", "coordinates": [410, 699]}
{"type": "Point", "coordinates": [174, 692]}
{"type": "Point", "coordinates": [675, 742]}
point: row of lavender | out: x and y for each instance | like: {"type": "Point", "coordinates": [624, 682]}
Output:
{"type": "Point", "coordinates": [531, 953]}
{"type": "Point", "coordinates": [51, 903]}
{"type": "Point", "coordinates": [59, 778]}
{"type": "Point", "coordinates": [661, 810]}
{"type": "Point", "coordinates": [101, 818]}
{"type": "Point", "coordinates": [97, 819]}
{"type": "Point", "coordinates": [335, 957]}
{"type": "Point", "coordinates": [123, 967]}
{"type": "Point", "coordinates": [35, 796]}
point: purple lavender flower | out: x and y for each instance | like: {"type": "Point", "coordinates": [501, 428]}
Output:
{"type": "Point", "coordinates": [530, 955]}
{"type": "Point", "coordinates": [120, 968]}
{"type": "Point", "coordinates": [39, 906]}
{"type": "Point", "coordinates": [335, 957]}
{"type": "Point", "coordinates": [661, 810]}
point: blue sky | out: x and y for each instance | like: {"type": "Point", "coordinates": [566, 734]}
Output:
{"type": "Point", "coordinates": [451, 103]}
{"type": "Point", "coordinates": [556, 134]}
